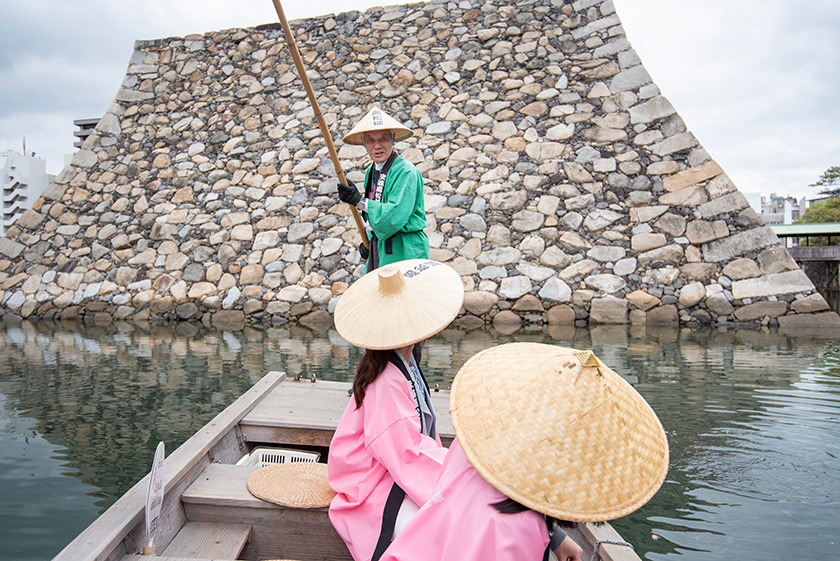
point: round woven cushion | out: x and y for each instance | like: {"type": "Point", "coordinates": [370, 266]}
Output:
{"type": "Point", "coordinates": [295, 484]}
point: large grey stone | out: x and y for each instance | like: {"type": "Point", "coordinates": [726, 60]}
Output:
{"type": "Point", "coordinates": [512, 288]}
{"type": "Point", "coordinates": [798, 322]}
{"type": "Point", "coordinates": [10, 248]}
{"type": "Point", "coordinates": [595, 26]}
{"type": "Point", "coordinates": [600, 219]}
{"type": "Point", "coordinates": [527, 221]}
{"type": "Point", "coordinates": [772, 285]}
{"type": "Point", "coordinates": [500, 256]}
{"type": "Point", "coordinates": [760, 310]}
{"type": "Point", "coordinates": [479, 303]}
{"type": "Point", "coordinates": [605, 283]}
{"type": "Point", "coordinates": [536, 274]}
{"type": "Point", "coordinates": [652, 110]}
{"type": "Point", "coordinates": [663, 315]}
{"type": "Point", "coordinates": [300, 231]}
{"type": "Point", "coordinates": [555, 290]}
{"type": "Point", "coordinates": [719, 305]}
{"type": "Point", "coordinates": [606, 253]}
{"type": "Point", "coordinates": [672, 224]}
{"type": "Point", "coordinates": [741, 269]}
{"type": "Point", "coordinates": [739, 244]}
{"type": "Point", "coordinates": [692, 293]}
{"type": "Point", "coordinates": [625, 266]}
{"type": "Point", "coordinates": [669, 253]}
{"type": "Point", "coordinates": [555, 258]}
{"type": "Point", "coordinates": [809, 304]}
{"type": "Point", "coordinates": [646, 242]}
{"type": "Point", "coordinates": [733, 202]}
{"type": "Point", "coordinates": [630, 79]}
{"type": "Point", "coordinates": [581, 268]}
{"type": "Point", "coordinates": [608, 310]}
{"type": "Point", "coordinates": [647, 213]}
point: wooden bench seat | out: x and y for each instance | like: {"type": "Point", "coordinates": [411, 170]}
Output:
{"type": "Point", "coordinates": [220, 494]}
{"type": "Point", "coordinates": [204, 541]}
{"type": "Point", "coordinates": [223, 485]}
{"type": "Point", "coordinates": [209, 541]}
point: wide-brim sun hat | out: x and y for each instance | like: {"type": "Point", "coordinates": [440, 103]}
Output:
{"type": "Point", "coordinates": [558, 431]}
{"type": "Point", "coordinates": [294, 484]}
{"type": "Point", "coordinates": [377, 120]}
{"type": "Point", "coordinates": [399, 304]}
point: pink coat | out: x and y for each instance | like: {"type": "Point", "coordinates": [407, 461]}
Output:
{"type": "Point", "coordinates": [458, 523]}
{"type": "Point", "coordinates": [374, 446]}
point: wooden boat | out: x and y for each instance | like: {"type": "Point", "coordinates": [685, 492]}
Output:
{"type": "Point", "coordinates": [207, 511]}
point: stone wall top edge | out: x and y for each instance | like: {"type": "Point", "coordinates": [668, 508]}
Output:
{"type": "Point", "coordinates": [150, 44]}
{"type": "Point", "coordinates": [144, 44]}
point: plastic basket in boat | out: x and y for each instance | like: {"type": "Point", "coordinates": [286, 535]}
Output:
{"type": "Point", "coordinates": [271, 456]}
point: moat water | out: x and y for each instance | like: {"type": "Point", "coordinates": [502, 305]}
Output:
{"type": "Point", "coordinates": [752, 416]}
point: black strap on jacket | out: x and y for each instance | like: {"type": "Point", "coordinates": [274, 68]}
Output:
{"type": "Point", "coordinates": [396, 495]}
{"type": "Point", "coordinates": [369, 183]}
{"type": "Point", "coordinates": [397, 361]}
{"type": "Point", "coordinates": [389, 521]}
{"type": "Point", "coordinates": [389, 249]}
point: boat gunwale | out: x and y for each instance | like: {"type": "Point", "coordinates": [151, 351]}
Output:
{"type": "Point", "coordinates": [99, 539]}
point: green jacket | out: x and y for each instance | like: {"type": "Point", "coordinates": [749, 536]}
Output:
{"type": "Point", "coordinates": [399, 216]}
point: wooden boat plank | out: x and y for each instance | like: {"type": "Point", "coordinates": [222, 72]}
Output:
{"type": "Point", "coordinates": [594, 533]}
{"type": "Point", "coordinates": [281, 533]}
{"type": "Point", "coordinates": [101, 540]}
{"type": "Point", "coordinates": [209, 540]}
{"type": "Point", "coordinates": [224, 485]}
{"type": "Point", "coordinates": [220, 494]}
{"type": "Point", "coordinates": [300, 412]}
{"type": "Point", "coordinates": [135, 557]}
{"type": "Point", "coordinates": [171, 519]}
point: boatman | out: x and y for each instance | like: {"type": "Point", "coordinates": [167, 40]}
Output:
{"type": "Point", "coordinates": [392, 203]}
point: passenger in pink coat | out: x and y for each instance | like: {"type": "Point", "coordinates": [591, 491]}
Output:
{"type": "Point", "coordinates": [386, 455]}
{"type": "Point", "coordinates": [543, 433]}
{"type": "Point", "coordinates": [459, 523]}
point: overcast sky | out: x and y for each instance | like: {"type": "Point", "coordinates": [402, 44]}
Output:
{"type": "Point", "coordinates": [755, 80]}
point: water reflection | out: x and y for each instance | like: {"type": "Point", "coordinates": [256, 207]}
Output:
{"type": "Point", "coordinates": [751, 415]}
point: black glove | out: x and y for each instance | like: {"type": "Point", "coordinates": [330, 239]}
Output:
{"type": "Point", "coordinates": [363, 251]}
{"type": "Point", "coordinates": [348, 193]}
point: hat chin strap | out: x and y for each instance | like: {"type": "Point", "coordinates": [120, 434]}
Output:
{"type": "Point", "coordinates": [391, 280]}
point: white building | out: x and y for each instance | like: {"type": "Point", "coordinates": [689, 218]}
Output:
{"type": "Point", "coordinates": [782, 210]}
{"type": "Point", "coordinates": [22, 180]}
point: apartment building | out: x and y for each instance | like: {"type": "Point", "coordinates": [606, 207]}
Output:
{"type": "Point", "coordinates": [22, 180]}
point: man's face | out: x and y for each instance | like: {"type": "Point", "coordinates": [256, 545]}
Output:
{"type": "Point", "coordinates": [378, 145]}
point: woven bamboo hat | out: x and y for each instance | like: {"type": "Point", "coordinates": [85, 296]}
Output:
{"type": "Point", "coordinates": [294, 484]}
{"type": "Point", "coordinates": [558, 431]}
{"type": "Point", "coordinates": [377, 120]}
{"type": "Point", "coordinates": [399, 304]}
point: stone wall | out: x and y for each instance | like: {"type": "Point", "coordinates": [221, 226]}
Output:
{"type": "Point", "coordinates": [560, 183]}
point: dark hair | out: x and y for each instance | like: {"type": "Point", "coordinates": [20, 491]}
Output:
{"type": "Point", "coordinates": [371, 366]}
{"type": "Point", "coordinates": [509, 506]}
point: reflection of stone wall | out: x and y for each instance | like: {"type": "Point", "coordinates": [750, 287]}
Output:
{"type": "Point", "coordinates": [559, 183]}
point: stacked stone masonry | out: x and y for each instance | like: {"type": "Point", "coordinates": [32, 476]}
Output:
{"type": "Point", "coordinates": [560, 183]}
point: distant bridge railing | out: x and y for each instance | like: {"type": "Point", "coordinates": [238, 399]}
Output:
{"type": "Point", "coordinates": [815, 253]}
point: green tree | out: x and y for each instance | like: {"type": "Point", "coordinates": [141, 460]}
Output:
{"type": "Point", "coordinates": [830, 177]}
{"type": "Point", "coordinates": [825, 211]}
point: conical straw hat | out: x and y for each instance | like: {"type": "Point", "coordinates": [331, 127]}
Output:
{"type": "Point", "coordinates": [377, 120]}
{"type": "Point", "coordinates": [558, 431]}
{"type": "Point", "coordinates": [294, 484]}
{"type": "Point", "coordinates": [399, 304]}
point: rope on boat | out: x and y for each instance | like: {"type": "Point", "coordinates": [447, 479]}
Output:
{"type": "Point", "coordinates": [597, 556]}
